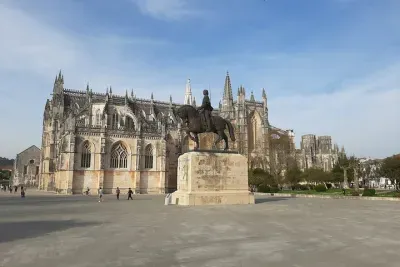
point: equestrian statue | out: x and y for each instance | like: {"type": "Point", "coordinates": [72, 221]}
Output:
{"type": "Point", "coordinates": [200, 121]}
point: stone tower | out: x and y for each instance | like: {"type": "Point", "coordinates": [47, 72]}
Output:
{"type": "Point", "coordinates": [227, 109]}
{"type": "Point", "coordinates": [317, 152]}
{"type": "Point", "coordinates": [188, 94]}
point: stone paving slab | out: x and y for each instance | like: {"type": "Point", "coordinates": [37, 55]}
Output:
{"type": "Point", "coordinates": [62, 231]}
{"type": "Point", "coordinates": [329, 196]}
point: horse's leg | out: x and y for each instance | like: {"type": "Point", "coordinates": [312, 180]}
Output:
{"type": "Point", "coordinates": [219, 133]}
{"type": "Point", "coordinates": [196, 140]}
{"type": "Point", "coordinates": [226, 140]}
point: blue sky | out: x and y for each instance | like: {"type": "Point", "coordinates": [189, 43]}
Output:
{"type": "Point", "coordinates": [330, 67]}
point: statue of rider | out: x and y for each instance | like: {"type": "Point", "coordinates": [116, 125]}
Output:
{"type": "Point", "coordinates": [206, 109]}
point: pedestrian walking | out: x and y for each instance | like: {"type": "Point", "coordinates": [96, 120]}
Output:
{"type": "Point", "coordinates": [130, 192]}
{"type": "Point", "coordinates": [100, 192]}
{"type": "Point", "coordinates": [118, 192]}
{"type": "Point", "coordinates": [22, 192]}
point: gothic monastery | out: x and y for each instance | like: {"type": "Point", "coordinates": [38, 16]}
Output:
{"type": "Point", "coordinates": [93, 140]}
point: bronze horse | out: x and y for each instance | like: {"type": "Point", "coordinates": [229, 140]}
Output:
{"type": "Point", "coordinates": [195, 124]}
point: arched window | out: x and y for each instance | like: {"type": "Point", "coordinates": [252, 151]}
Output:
{"type": "Point", "coordinates": [148, 157]}
{"type": "Point", "coordinates": [130, 124]}
{"type": "Point", "coordinates": [119, 156]}
{"type": "Point", "coordinates": [86, 155]}
{"type": "Point", "coordinates": [98, 117]}
{"type": "Point", "coordinates": [115, 121]}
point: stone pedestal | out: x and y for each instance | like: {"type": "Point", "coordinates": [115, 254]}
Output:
{"type": "Point", "coordinates": [212, 178]}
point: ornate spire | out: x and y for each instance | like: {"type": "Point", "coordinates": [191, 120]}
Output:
{"type": "Point", "coordinates": [194, 102]}
{"type": "Point", "coordinates": [110, 90]}
{"type": "Point", "coordinates": [227, 88]}
{"type": "Point", "coordinates": [252, 97]}
{"type": "Point", "coordinates": [107, 90]}
{"type": "Point", "coordinates": [264, 95]}
{"type": "Point", "coordinates": [188, 93]}
{"type": "Point", "coordinates": [152, 97]}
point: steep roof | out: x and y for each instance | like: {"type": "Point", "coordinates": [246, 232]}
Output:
{"type": "Point", "coordinates": [31, 147]}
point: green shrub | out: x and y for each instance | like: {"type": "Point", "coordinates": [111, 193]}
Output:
{"type": "Point", "coordinates": [310, 186]}
{"type": "Point", "coordinates": [355, 193]}
{"type": "Point", "coordinates": [264, 189]}
{"type": "Point", "coordinates": [320, 188]}
{"type": "Point", "coordinates": [300, 187]}
{"type": "Point", "coordinates": [329, 186]}
{"type": "Point", "coordinates": [369, 192]}
{"type": "Point", "coordinates": [274, 189]}
{"type": "Point", "coordinates": [304, 187]}
{"type": "Point", "coordinates": [397, 194]}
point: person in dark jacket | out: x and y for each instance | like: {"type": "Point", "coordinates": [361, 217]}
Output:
{"type": "Point", "coordinates": [130, 192]}
{"type": "Point", "coordinates": [206, 109]}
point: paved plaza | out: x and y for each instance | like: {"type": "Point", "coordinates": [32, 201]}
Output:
{"type": "Point", "coordinates": [52, 230]}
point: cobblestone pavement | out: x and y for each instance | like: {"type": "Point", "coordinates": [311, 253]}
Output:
{"type": "Point", "coordinates": [52, 230]}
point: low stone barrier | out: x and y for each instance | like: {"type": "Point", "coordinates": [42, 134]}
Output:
{"type": "Point", "coordinates": [327, 196]}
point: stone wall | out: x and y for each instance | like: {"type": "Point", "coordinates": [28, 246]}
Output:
{"type": "Point", "coordinates": [26, 167]}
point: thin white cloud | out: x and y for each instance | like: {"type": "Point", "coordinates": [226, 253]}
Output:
{"type": "Point", "coordinates": [26, 44]}
{"type": "Point", "coordinates": [363, 115]}
{"type": "Point", "coordinates": [29, 45]}
{"type": "Point", "coordinates": [166, 9]}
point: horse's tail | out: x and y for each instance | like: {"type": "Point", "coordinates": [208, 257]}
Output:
{"type": "Point", "coordinates": [231, 131]}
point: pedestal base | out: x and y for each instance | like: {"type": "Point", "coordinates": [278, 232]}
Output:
{"type": "Point", "coordinates": [212, 178]}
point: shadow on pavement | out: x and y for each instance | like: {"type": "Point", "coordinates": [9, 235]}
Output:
{"type": "Point", "coordinates": [269, 199]}
{"type": "Point", "coordinates": [11, 231]}
{"type": "Point", "coordinates": [33, 201]}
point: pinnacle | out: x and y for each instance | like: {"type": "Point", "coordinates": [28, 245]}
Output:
{"type": "Point", "coordinates": [227, 87]}
{"type": "Point", "coordinates": [264, 95]}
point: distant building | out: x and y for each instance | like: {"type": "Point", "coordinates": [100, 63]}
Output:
{"type": "Point", "coordinates": [7, 168]}
{"type": "Point", "coordinates": [26, 167]}
{"type": "Point", "coordinates": [317, 152]}
{"type": "Point", "coordinates": [370, 175]}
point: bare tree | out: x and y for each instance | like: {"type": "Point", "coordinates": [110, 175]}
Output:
{"type": "Point", "coordinates": [354, 164]}
{"type": "Point", "coordinates": [343, 162]}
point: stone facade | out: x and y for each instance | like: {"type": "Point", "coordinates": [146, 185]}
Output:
{"type": "Point", "coordinates": [317, 152]}
{"type": "Point", "coordinates": [26, 167]}
{"type": "Point", "coordinates": [93, 140]}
